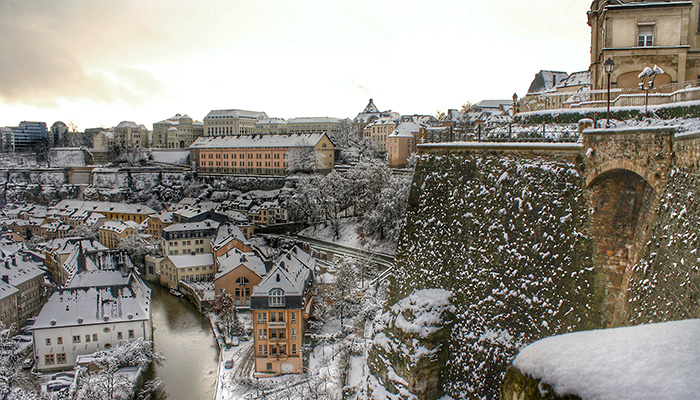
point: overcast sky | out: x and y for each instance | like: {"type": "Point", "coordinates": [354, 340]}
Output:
{"type": "Point", "coordinates": [97, 63]}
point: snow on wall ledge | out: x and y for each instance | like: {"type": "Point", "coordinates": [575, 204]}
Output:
{"type": "Point", "coordinates": [656, 361]}
{"type": "Point", "coordinates": [506, 234]}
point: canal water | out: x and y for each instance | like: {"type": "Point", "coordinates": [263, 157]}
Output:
{"type": "Point", "coordinates": [184, 337]}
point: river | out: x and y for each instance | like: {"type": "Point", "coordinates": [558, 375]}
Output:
{"type": "Point", "coordinates": [183, 336]}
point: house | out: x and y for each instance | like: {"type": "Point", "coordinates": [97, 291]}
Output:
{"type": "Point", "coordinates": [377, 132]}
{"type": "Point", "coordinates": [402, 141]}
{"type": "Point", "coordinates": [128, 134]}
{"type": "Point", "coordinates": [111, 233]}
{"type": "Point", "coordinates": [96, 311]}
{"type": "Point", "coordinates": [238, 273]}
{"type": "Point", "coordinates": [156, 222]}
{"type": "Point", "coordinates": [176, 132]}
{"type": "Point", "coordinates": [111, 211]}
{"type": "Point", "coordinates": [280, 306]}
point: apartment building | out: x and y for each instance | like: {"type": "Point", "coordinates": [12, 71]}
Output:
{"type": "Point", "coordinates": [378, 131]}
{"type": "Point", "coordinates": [330, 126]}
{"type": "Point", "coordinates": [111, 233]}
{"type": "Point", "coordinates": [111, 211]}
{"type": "Point", "coordinates": [188, 238]}
{"type": "Point", "coordinates": [186, 268]}
{"type": "Point", "coordinates": [21, 281]}
{"type": "Point", "coordinates": [280, 306]}
{"type": "Point", "coordinates": [271, 126]}
{"type": "Point", "coordinates": [231, 122]}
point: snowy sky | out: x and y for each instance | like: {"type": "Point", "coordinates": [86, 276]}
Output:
{"type": "Point", "coordinates": [98, 62]}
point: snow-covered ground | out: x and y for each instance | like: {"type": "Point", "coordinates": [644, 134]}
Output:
{"type": "Point", "coordinates": [348, 236]}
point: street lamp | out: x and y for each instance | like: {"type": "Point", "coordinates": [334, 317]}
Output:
{"type": "Point", "coordinates": [609, 67]}
{"type": "Point", "coordinates": [645, 76]}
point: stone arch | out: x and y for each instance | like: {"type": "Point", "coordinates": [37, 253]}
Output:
{"type": "Point", "coordinates": [628, 165]}
{"type": "Point", "coordinates": [625, 69]}
{"type": "Point", "coordinates": [622, 197]}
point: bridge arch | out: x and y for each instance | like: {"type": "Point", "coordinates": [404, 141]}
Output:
{"type": "Point", "coordinates": [622, 197]}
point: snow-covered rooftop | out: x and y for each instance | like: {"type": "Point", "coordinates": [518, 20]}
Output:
{"type": "Point", "coordinates": [235, 113]}
{"type": "Point", "coordinates": [193, 260]}
{"type": "Point", "coordinates": [235, 258]}
{"type": "Point", "coordinates": [103, 207]}
{"type": "Point", "coordinates": [245, 141]}
{"type": "Point", "coordinates": [655, 361]}
{"type": "Point", "coordinates": [291, 274]}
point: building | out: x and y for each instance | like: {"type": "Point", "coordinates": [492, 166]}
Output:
{"type": "Point", "coordinates": [186, 268]}
{"type": "Point", "coordinates": [111, 233]}
{"type": "Point", "coordinates": [260, 154]}
{"type": "Point", "coordinates": [639, 34]}
{"type": "Point", "coordinates": [111, 211]}
{"type": "Point", "coordinates": [188, 238]}
{"type": "Point", "coordinates": [26, 135]}
{"type": "Point", "coordinates": [371, 113]}
{"type": "Point", "coordinates": [96, 311]}
{"type": "Point", "coordinates": [402, 142]}
{"type": "Point", "coordinates": [238, 273]}
{"type": "Point", "coordinates": [130, 135]}
{"type": "Point", "coordinates": [330, 126]}
{"type": "Point", "coordinates": [177, 132]}
{"type": "Point", "coordinates": [231, 122]}
{"type": "Point", "coordinates": [21, 288]}
{"type": "Point", "coordinates": [58, 132]}
{"type": "Point", "coordinates": [271, 126]}
{"type": "Point", "coordinates": [61, 257]}
{"type": "Point", "coordinates": [378, 131]}
{"type": "Point", "coordinates": [103, 140]}
{"type": "Point", "coordinates": [280, 306]}
{"type": "Point", "coordinates": [157, 222]}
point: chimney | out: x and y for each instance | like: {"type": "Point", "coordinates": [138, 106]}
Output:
{"type": "Point", "coordinates": [6, 279]}
{"type": "Point", "coordinates": [82, 262]}
{"type": "Point", "coordinates": [14, 260]}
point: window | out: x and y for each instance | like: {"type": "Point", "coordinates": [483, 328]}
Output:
{"type": "Point", "coordinates": [269, 366]}
{"type": "Point", "coordinates": [61, 358]}
{"type": "Point", "coordinates": [281, 317]}
{"type": "Point", "coordinates": [264, 333]}
{"type": "Point", "coordinates": [276, 298]}
{"type": "Point", "coordinates": [120, 335]}
{"type": "Point", "coordinates": [264, 317]}
{"type": "Point", "coordinates": [87, 338]}
{"type": "Point", "coordinates": [294, 349]}
{"type": "Point", "coordinates": [48, 341]}
{"type": "Point", "coordinates": [294, 317]}
{"type": "Point", "coordinates": [49, 359]}
{"type": "Point", "coordinates": [76, 339]}
{"type": "Point", "coordinates": [94, 337]}
{"type": "Point", "coordinates": [131, 333]}
{"type": "Point", "coordinates": [645, 38]}
{"type": "Point", "coordinates": [260, 350]}
{"type": "Point", "coordinates": [259, 333]}
{"type": "Point", "coordinates": [273, 317]}
{"type": "Point", "coordinates": [59, 340]}
{"type": "Point", "coordinates": [294, 333]}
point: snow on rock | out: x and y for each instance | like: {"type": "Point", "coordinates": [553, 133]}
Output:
{"type": "Point", "coordinates": [421, 312]}
{"type": "Point", "coordinates": [655, 361]}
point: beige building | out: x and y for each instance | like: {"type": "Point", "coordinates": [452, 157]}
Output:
{"type": "Point", "coordinates": [378, 131]}
{"type": "Point", "coordinates": [402, 142]}
{"type": "Point", "coordinates": [188, 268]}
{"type": "Point", "coordinates": [112, 232]}
{"type": "Point", "coordinates": [271, 126]}
{"type": "Point", "coordinates": [638, 34]}
{"type": "Point", "coordinates": [177, 132]}
{"type": "Point", "coordinates": [21, 280]}
{"type": "Point", "coordinates": [330, 126]}
{"type": "Point", "coordinates": [231, 122]}
{"type": "Point", "coordinates": [260, 154]}
{"type": "Point", "coordinates": [103, 140]}
{"type": "Point", "coordinates": [130, 135]}
{"type": "Point", "coordinates": [188, 238]}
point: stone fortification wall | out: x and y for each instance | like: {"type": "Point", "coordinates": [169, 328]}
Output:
{"type": "Point", "coordinates": [505, 230]}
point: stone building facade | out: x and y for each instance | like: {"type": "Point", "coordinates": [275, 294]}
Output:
{"type": "Point", "coordinates": [639, 34]}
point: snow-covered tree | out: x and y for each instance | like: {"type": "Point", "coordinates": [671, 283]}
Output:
{"type": "Point", "coordinates": [302, 158]}
{"type": "Point", "coordinates": [11, 376]}
{"type": "Point", "coordinates": [104, 383]}
{"type": "Point", "coordinates": [227, 315]}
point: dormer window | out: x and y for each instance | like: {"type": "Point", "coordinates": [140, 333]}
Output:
{"type": "Point", "coordinates": [276, 298]}
{"type": "Point", "coordinates": [645, 36]}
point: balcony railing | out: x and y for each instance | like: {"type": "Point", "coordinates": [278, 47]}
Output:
{"type": "Point", "coordinates": [627, 97]}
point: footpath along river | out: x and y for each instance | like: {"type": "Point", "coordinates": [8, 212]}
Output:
{"type": "Point", "coordinates": [184, 337]}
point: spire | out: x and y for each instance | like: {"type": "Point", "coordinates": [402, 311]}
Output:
{"type": "Point", "coordinates": [371, 108]}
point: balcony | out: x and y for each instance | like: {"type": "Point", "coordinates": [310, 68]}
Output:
{"type": "Point", "coordinates": [277, 324]}
{"type": "Point", "coordinates": [277, 340]}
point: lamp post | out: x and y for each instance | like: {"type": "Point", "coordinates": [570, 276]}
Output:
{"type": "Point", "coordinates": [609, 67]}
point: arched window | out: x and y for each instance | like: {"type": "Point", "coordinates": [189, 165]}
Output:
{"type": "Point", "coordinates": [276, 298]}
{"type": "Point", "coordinates": [242, 281]}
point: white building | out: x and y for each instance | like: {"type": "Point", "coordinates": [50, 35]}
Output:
{"type": "Point", "coordinates": [96, 311]}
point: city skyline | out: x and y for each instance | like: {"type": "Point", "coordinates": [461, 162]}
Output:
{"type": "Point", "coordinates": [98, 63]}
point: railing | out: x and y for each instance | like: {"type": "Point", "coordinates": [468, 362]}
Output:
{"type": "Point", "coordinates": [626, 97]}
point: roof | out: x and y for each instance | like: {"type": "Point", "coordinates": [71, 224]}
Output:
{"type": "Point", "coordinates": [192, 226]}
{"type": "Point", "coordinates": [247, 141]}
{"type": "Point", "coordinates": [313, 120]}
{"type": "Point", "coordinates": [195, 260]}
{"type": "Point", "coordinates": [98, 278]}
{"type": "Point", "coordinates": [407, 129]}
{"type": "Point", "coordinates": [234, 258]}
{"type": "Point", "coordinates": [577, 79]}
{"type": "Point", "coordinates": [292, 274]}
{"type": "Point", "coordinates": [225, 234]}
{"type": "Point", "coordinates": [20, 268]}
{"type": "Point", "coordinates": [103, 207]}
{"type": "Point", "coordinates": [271, 121]}
{"type": "Point", "coordinates": [235, 113]}
{"type": "Point", "coordinates": [545, 81]}
{"type": "Point", "coordinates": [116, 302]}
{"type": "Point", "coordinates": [119, 226]}
{"type": "Point", "coordinates": [649, 4]}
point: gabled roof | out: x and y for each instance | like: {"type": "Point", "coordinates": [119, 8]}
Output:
{"type": "Point", "coordinates": [227, 233]}
{"type": "Point", "coordinates": [234, 258]}
{"type": "Point", "coordinates": [545, 81]}
{"type": "Point", "coordinates": [195, 260]}
{"type": "Point", "coordinates": [292, 274]}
